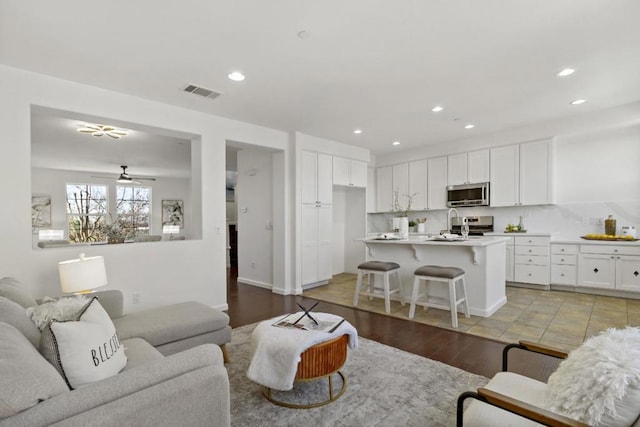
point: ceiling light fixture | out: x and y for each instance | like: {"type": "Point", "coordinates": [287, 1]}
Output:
{"type": "Point", "coordinates": [566, 72]}
{"type": "Point", "coordinates": [578, 101]}
{"type": "Point", "coordinates": [357, 131]}
{"type": "Point", "coordinates": [236, 76]}
{"type": "Point", "coordinates": [437, 109]}
{"type": "Point", "coordinates": [469, 126]}
{"type": "Point", "coordinates": [396, 143]}
{"type": "Point", "coordinates": [100, 130]}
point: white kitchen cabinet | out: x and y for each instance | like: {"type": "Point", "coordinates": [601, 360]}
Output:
{"type": "Point", "coordinates": [418, 184]}
{"type": "Point", "coordinates": [317, 232]}
{"type": "Point", "coordinates": [437, 183]}
{"type": "Point", "coordinates": [384, 189]}
{"type": "Point", "coordinates": [316, 177]}
{"type": "Point", "coordinates": [532, 260]}
{"type": "Point", "coordinates": [401, 183]}
{"type": "Point", "coordinates": [317, 216]}
{"type": "Point", "coordinates": [350, 173]}
{"type": "Point", "coordinates": [610, 267]}
{"type": "Point", "coordinates": [371, 190]}
{"type": "Point", "coordinates": [522, 174]}
{"type": "Point", "coordinates": [510, 261]}
{"type": "Point", "coordinates": [468, 168]}
{"type": "Point", "coordinates": [564, 264]}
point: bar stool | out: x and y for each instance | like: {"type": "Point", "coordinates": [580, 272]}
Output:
{"type": "Point", "coordinates": [449, 275]}
{"type": "Point", "coordinates": [385, 269]}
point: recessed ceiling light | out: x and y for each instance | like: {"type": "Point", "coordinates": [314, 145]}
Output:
{"type": "Point", "coordinates": [357, 131]}
{"type": "Point", "coordinates": [566, 72]}
{"type": "Point", "coordinates": [578, 101]}
{"type": "Point", "coordinates": [469, 126]}
{"type": "Point", "coordinates": [236, 76]}
{"type": "Point", "coordinates": [396, 143]}
{"type": "Point", "coordinates": [437, 109]}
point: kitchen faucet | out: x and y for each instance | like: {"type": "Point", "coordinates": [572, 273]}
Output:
{"type": "Point", "coordinates": [449, 218]}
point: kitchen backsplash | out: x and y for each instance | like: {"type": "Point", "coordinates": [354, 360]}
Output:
{"type": "Point", "coordinates": [565, 222]}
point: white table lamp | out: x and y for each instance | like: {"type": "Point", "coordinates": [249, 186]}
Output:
{"type": "Point", "coordinates": [82, 275]}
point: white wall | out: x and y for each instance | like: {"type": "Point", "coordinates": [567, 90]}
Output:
{"type": "Point", "coordinates": [161, 273]}
{"type": "Point", "coordinates": [255, 217]}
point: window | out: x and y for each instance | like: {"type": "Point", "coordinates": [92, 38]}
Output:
{"type": "Point", "coordinates": [86, 210]}
{"type": "Point", "coordinates": [133, 209]}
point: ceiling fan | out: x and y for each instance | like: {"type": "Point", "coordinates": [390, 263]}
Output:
{"type": "Point", "coordinates": [125, 178]}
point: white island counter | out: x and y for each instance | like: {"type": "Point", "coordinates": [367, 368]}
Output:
{"type": "Point", "coordinates": [482, 259]}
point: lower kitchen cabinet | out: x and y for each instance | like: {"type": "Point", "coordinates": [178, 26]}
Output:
{"type": "Point", "coordinates": [610, 267]}
{"type": "Point", "coordinates": [564, 264]}
{"type": "Point", "coordinates": [532, 260]}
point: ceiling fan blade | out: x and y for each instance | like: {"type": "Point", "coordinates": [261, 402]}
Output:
{"type": "Point", "coordinates": [141, 178]}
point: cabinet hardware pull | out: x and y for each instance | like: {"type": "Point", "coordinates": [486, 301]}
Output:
{"type": "Point", "coordinates": [635, 273]}
{"type": "Point", "coordinates": [595, 270]}
{"type": "Point", "coordinates": [562, 259]}
{"type": "Point", "coordinates": [562, 250]}
{"type": "Point", "coordinates": [562, 274]}
{"type": "Point", "coordinates": [530, 274]}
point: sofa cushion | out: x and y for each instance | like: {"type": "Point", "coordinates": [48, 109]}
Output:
{"type": "Point", "coordinates": [139, 352]}
{"type": "Point", "coordinates": [16, 315]}
{"type": "Point", "coordinates": [599, 383]}
{"type": "Point", "coordinates": [85, 350]}
{"type": "Point", "coordinates": [65, 308]}
{"type": "Point", "coordinates": [171, 323]}
{"type": "Point", "coordinates": [15, 291]}
{"type": "Point", "coordinates": [26, 377]}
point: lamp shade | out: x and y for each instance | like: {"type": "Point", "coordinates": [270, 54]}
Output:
{"type": "Point", "coordinates": [82, 275]}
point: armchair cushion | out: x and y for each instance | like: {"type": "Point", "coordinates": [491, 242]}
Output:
{"type": "Point", "coordinates": [15, 315]}
{"type": "Point", "coordinates": [528, 390]}
{"type": "Point", "coordinates": [599, 383]}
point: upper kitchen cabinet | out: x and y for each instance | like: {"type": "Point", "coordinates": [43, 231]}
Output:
{"type": "Point", "coordinates": [522, 174]}
{"type": "Point", "coordinates": [418, 184]}
{"type": "Point", "coordinates": [468, 168]}
{"type": "Point", "coordinates": [350, 173]}
{"type": "Point", "coordinates": [437, 183]}
{"type": "Point", "coordinates": [384, 189]}
{"type": "Point", "coordinates": [316, 178]}
{"type": "Point", "coordinates": [401, 184]}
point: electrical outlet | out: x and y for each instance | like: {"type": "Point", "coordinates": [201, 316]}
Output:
{"type": "Point", "coordinates": [135, 298]}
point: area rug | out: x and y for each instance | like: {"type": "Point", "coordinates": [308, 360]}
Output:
{"type": "Point", "coordinates": [385, 387]}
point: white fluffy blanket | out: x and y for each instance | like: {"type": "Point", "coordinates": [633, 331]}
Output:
{"type": "Point", "coordinates": [599, 383]}
{"type": "Point", "coordinates": [275, 351]}
{"type": "Point", "coordinates": [65, 308]}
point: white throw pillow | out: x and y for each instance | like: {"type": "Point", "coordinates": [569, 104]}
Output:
{"type": "Point", "coordinates": [84, 350]}
{"type": "Point", "coordinates": [65, 308]}
{"type": "Point", "coordinates": [599, 383]}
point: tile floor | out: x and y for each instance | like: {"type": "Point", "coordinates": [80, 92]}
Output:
{"type": "Point", "coordinates": [561, 319]}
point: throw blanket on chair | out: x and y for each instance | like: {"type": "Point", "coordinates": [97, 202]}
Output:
{"type": "Point", "coordinates": [275, 351]}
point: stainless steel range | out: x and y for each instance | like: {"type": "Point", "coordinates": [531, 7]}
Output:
{"type": "Point", "coordinates": [478, 225]}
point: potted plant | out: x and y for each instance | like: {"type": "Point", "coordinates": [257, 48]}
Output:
{"type": "Point", "coordinates": [401, 222]}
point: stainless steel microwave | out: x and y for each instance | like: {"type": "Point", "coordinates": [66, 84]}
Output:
{"type": "Point", "coordinates": [468, 195]}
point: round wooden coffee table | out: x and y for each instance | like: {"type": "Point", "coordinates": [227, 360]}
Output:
{"type": "Point", "coordinates": [323, 360]}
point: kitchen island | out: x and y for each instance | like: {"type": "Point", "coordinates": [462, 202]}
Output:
{"type": "Point", "coordinates": [482, 259]}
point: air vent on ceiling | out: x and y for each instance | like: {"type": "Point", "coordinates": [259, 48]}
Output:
{"type": "Point", "coordinates": [202, 91]}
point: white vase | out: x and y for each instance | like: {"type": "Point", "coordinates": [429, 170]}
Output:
{"type": "Point", "coordinates": [395, 224]}
{"type": "Point", "coordinates": [404, 227]}
{"type": "Point", "coordinates": [421, 228]}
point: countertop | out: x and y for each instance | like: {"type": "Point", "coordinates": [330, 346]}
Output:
{"type": "Point", "coordinates": [579, 241]}
{"type": "Point", "coordinates": [416, 240]}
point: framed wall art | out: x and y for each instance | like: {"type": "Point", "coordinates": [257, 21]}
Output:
{"type": "Point", "coordinates": [40, 211]}
{"type": "Point", "coordinates": [173, 212]}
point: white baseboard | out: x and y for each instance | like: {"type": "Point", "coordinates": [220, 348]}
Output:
{"type": "Point", "coordinates": [222, 307]}
{"type": "Point", "coordinates": [256, 283]}
{"type": "Point", "coordinates": [281, 291]}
